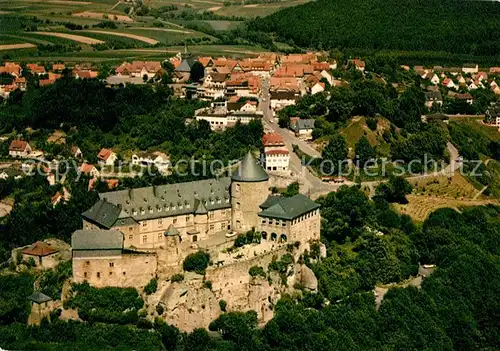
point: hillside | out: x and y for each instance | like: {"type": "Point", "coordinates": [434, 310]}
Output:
{"type": "Point", "coordinates": [415, 25]}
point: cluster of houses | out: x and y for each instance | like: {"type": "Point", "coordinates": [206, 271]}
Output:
{"type": "Point", "coordinates": [459, 82]}
{"type": "Point", "coordinates": [47, 75]}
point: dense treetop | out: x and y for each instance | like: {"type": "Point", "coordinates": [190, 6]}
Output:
{"type": "Point", "coordinates": [433, 25]}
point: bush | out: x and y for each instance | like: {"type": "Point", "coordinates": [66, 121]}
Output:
{"type": "Point", "coordinates": [177, 278]}
{"type": "Point", "coordinates": [151, 287]}
{"type": "Point", "coordinates": [196, 262]}
{"type": "Point", "coordinates": [207, 284]}
{"type": "Point", "coordinates": [160, 309]}
{"type": "Point", "coordinates": [371, 123]}
{"type": "Point", "coordinates": [255, 271]}
{"type": "Point", "coordinates": [223, 305]}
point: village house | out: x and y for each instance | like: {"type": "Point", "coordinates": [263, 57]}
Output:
{"type": "Point", "coordinates": [283, 98]}
{"type": "Point", "coordinates": [470, 68]}
{"type": "Point", "coordinates": [303, 128]}
{"type": "Point", "coordinates": [318, 88]}
{"type": "Point", "coordinates": [76, 152]}
{"type": "Point", "coordinates": [43, 255]}
{"type": "Point", "coordinates": [492, 114]}
{"type": "Point", "coordinates": [89, 170]}
{"type": "Point", "coordinates": [358, 64]}
{"type": "Point", "coordinates": [276, 155]}
{"type": "Point", "coordinates": [19, 148]}
{"type": "Point", "coordinates": [465, 97]}
{"type": "Point", "coordinates": [220, 117]}
{"type": "Point", "coordinates": [140, 69]}
{"type": "Point", "coordinates": [433, 98]}
{"type": "Point", "coordinates": [243, 85]}
{"type": "Point", "coordinates": [35, 68]}
{"type": "Point", "coordinates": [14, 69]}
{"type": "Point", "coordinates": [448, 83]}
{"type": "Point", "coordinates": [145, 159]}
{"type": "Point", "coordinates": [20, 83]}
{"type": "Point", "coordinates": [85, 74]}
{"type": "Point", "coordinates": [106, 157]}
{"type": "Point", "coordinates": [214, 86]}
{"type": "Point", "coordinates": [58, 67]}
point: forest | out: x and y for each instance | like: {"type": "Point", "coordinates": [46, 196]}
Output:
{"type": "Point", "coordinates": [430, 25]}
{"type": "Point", "coordinates": [456, 307]}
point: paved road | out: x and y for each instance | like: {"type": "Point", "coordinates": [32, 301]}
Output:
{"type": "Point", "coordinates": [311, 184]}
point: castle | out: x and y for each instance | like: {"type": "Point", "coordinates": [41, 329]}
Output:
{"type": "Point", "coordinates": [131, 236]}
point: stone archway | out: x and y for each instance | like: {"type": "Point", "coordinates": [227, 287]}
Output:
{"type": "Point", "coordinates": [274, 236]}
{"type": "Point", "coordinates": [195, 238]}
{"type": "Point", "coordinates": [264, 235]}
{"type": "Point", "coordinates": [283, 238]}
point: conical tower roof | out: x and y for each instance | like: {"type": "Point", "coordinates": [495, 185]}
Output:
{"type": "Point", "coordinates": [250, 170]}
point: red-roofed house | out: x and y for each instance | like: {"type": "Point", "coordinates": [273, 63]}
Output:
{"type": "Point", "coordinates": [76, 152]}
{"type": "Point", "coordinates": [58, 67]}
{"type": "Point", "coordinates": [19, 148]}
{"type": "Point", "coordinates": [35, 69]}
{"type": "Point", "coordinates": [106, 157]}
{"type": "Point", "coordinates": [447, 82]}
{"type": "Point", "coordinates": [359, 64]}
{"type": "Point", "coordinates": [11, 68]}
{"type": "Point", "coordinates": [275, 154]}
{"type": "Point", "coordinates": [42, 253]}
{"type": "Point", "coordinates": [89, 169]}
{"type": "Point", "coordinates": [78, 74]}
{"type": "Point", "coordinates": [139, 69]}
{"type": "Point", "coordinates": [20, 83]}
{"type": "Point", "coordinates": [318, 88]}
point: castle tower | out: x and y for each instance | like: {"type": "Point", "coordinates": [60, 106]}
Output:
{"type": "Point", "coordinates": [249, 189]}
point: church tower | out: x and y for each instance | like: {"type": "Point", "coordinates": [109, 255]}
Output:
{"type": "Point", "coordinates": [249, 189]}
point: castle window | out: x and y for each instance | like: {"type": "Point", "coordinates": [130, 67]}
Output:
{"type": "Point", "coordinates": [195, 238]}
{"type": "Point", "coordinates": [211, 215]}
{"type": "Point", "coordinates": [212, 227]}
{"type": "Point", "coordinates": [85, 275]}
{"type": "Point", "coordinates": [144, 224]}
{"type": "Point", "coordinates": [237, 205]}
{"type": "Point", "coordinates": [98, 274]}
{"type": "Point", "coordinates": [130, 237]}
{"type": "Point", "coordinates": [174, 221]}
{"type": "Point", "coordinates": [110, 273]}
{"type": "Point", "coordinates": [87, 263]}
{"type": "Point", "coordinates": [188, 218]}
{"type": "Point", "coordinates": [160, 236]}
{"type": "Point", "coordinates": [283, 223]}
{"type": "Point", "coordinates": [124, 273]}
{"type": "Point", "coordinates": [237, 188]}
{"type": "Point", "coordinates": [144, 239]}
{"type": "Point", "coordinates": [264, 221]}
{"type": "Point", "coordinates": [160, 221]}
{"type": "Point", "coordinates": [223, 226]}
{"type": "Point", "coordinates": [111, 264]}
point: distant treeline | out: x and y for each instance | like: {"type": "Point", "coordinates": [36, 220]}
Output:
{"type": "Point", "coordinates": [431, 25]}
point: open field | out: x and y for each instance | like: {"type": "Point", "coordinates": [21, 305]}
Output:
{"type": "Point", "coordinates": [419, 207]}
{"type": "Point", "coordinates": [78, 38]}
{"type": "Point", "coordinates": [455, 187]}
{"type": "Point", "coordinates": [127, 35]}
{"type": "Point", "coordinates": [101, 15]}
{"type": "Point", "coordinates": [16, 46]}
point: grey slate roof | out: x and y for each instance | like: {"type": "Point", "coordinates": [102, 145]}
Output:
{"type": "Point", "coordinates": [250, 171]}
{"type": "Point", "coordinates": [290, 207]}
{"type": "Point", "coordinates": [163, 201]}
{"type": "Point", "coordinates": [97, 240]}
{"type": "Point", "coordinates": [103, 213]}
{"type": "Point", "coordinates": [171, 231]}
{"type": "Point", "coordinates": [186, 64]}
{"type": "Point", "coordinates": [39, 297]}
{"type": "Point", "coordinates": [302, 124]}
{"type": "Point", "coordinates": [433, 96]}
{"type": "Point", "coordinates": [270, 201]}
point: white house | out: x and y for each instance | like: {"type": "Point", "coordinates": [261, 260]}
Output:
{"type": "Point", "coordinates": [435, 79]}
{"type": "Point", "coordinates": [448, 82]}
{"type": "Point", "coordinates": [318, 88]}
{"type": "Point", "coordinates": [470, 68]}
{"type": "Point", "coordinates": [281, 99]}
{"type": "Point", "coordinates": [106, 157]}
{"type": "Point", "coordinates": [328, 76]}
{"type": "Point", "coordinates": [303, 128]}
{"type": "Point", "coordinates": [220, 118]}
{"type": "Point", "coordinates": [276, 155]}
{"type": "Point", "coordinates": [89, 169]}
{"type": "Point", "coordinates": [19, 148]}
{"type": "Point", "coordinates": [76, 152]}
{"type": "Point", "coordinates": [158, 159]}
{"type": "Point", "coordinates": [214, 85]}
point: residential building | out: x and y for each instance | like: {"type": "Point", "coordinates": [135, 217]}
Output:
{"type": "Point", "coordinates": [140, 69]}
{"type": "Point", "coordinates": [283, 98]}
{"type": "Point", "coordinates": [432, 98]}
{"type": "Point", "coordinates": [35, 69]}
{"type": "Point", "coordinates": [43, 255]}
{"type": "Point", "coordinates": [465, 97]}
{"type": "Point", "coordinates": [158, 159]}
{"type": "Point", "coordinates": [303, 128]}
{"type": "Point", "coordinates": [214, 85]}
{"type": "Point", "coordinates": [220, 117]}
{"type": "Point", "coordinates": [76, 152]}
{"type": "Point", "coordinates": [14, 69]}
{"type": "Point", "coordinates": [89, 170]}
{"type": "Point", "coordinates": [19, 148]}
{"type": "Point", "coordinates": [492, 114]}
{"type": "Point", "coordinates": [359, 64]}
{"type": "Point", "coordinates": [275, 154]}
{"type": "Point", "coordinates": [106, 157]}
{"type": "Point", "coordinates": [470, 68]}
{"type": "Point", "coordinates": [318, 88]}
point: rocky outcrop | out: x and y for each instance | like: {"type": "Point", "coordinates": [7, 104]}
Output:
{"type": "Point", "coordinates": [307, 278]}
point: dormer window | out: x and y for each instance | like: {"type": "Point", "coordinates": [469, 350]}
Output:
{"type": "Point", "coordinates": [145, 200]}
{"type": "Point", "coordinates": [166, 208]}
{"type": "Point", "coordinates": [134, 211]}
{"type": "Point", "coordinates": [158, 208]}
{"type": "Point", "coordinates": [150, 210]}
{"type": "Point", "coordinates": [143, 211]}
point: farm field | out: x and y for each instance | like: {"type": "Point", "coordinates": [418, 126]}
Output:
{"type": "Point", "coordinates": [74, 37]}
{"type": "Point", "coordinates": [419, 207]}
{"type": "Point", "coordinates": [144, 39]}
{"type": "Point", "coordinates": [16, 46]}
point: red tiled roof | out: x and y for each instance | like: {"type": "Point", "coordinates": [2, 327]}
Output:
{"type": "Point", "coordinates": [45, 82]}
{"type": "Point", "coordinates": [40, 249]}
{"type": "Point", "coordinates": [86, 168]}
{"type": "Point", "coordinates": [204, 60]}
{"type": "Point", "coordinates": [11, 68]}
{"type": "Point", "coordinates": [18, 145]}
{"type": "Point", "coordinates": [33, 67]}
{"type": "Point", "coordinates": [272, 139]}
{"type": "Point", "coordinates": [86, 74]}
{"type": "Point", "coordinates": [58, 67]}
{"type": "Point", "coordinates": [104, 154]}
{"type": "Point", "coordinates": [55, 199]}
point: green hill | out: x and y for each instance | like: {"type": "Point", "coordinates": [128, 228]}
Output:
{"type": "Point", "coordinates": [455, 26]}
